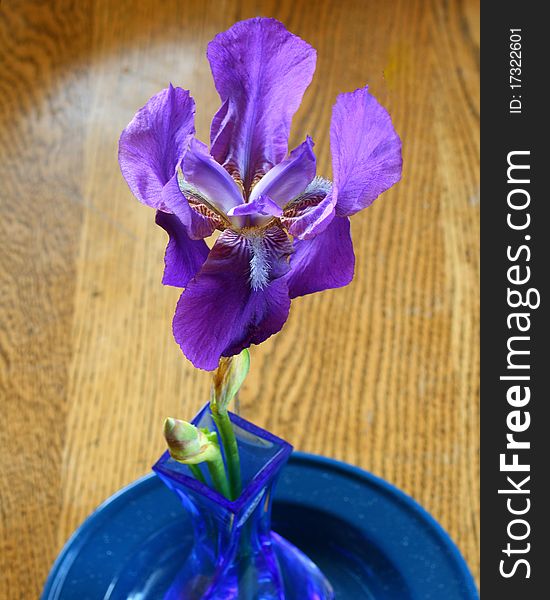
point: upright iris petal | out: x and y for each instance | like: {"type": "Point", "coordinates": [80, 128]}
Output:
{"type": "Point", "coordinates": [150, 149]}
{"type": "Point", "coordinates": [261, 72]}
{"type": "Point", "coordinates": [366, 151]}
{"type": "Point", "coordinates": [154, 141]}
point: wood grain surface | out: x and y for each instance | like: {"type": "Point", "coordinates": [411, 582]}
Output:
{"type": "Point", "coordinates": [382, 374]}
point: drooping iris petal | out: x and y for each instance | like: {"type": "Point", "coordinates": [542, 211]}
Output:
{"type": "Point", "coordinates": [311, 212]}
{"type": "Point", "coordinates": [210, 178]}
{"type": "Point", "coordinates": [261, 72]}
{"type": "Point", "coordinates": [290, 177]}
{"type": "Point", "coordinates": [239, 297]}
{"type": "Point", "coordinates": [366, 151]}
{"type": "Point", "coordinates": [184, 257]}
{"type": "Point", "coordinates": [263, 205]}
{"type": "Point", "coordinates": [323, 262]}
{"type": "Point", "coordinates": [197, 225]}
{"type": "Point", "coordinates": [153, 143]}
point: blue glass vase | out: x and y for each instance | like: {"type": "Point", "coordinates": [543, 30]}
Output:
{"type": "Point", "coordinates": [235, 555]}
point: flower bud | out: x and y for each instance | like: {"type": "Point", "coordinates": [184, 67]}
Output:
{"type": "Point", "coordinates": [228, 379]}
{"type": "Point", "coordinates": [189, 444]}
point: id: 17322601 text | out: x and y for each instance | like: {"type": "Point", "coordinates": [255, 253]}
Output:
{"type": "Point", "coordinates": [515, 67]}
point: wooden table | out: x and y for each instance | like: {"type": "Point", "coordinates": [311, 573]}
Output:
{"type": "Point", "coordinates": [382, 374]}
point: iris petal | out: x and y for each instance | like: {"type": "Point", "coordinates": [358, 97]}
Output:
{"type": "Point", "coordinates": [198, 226]}
{"type": "Point", "coordinates": [290, 177]}
{"type": "Point", "coordinates": [239, 297]}
{"type": "Point", "coordinates": [323, 262]}
{"type": "Point", "coordinates": [153, 143]}
{"type": "Point", "coordinates": [366, 151]}
{"type": "Point", "coordinates": [259, 206]}
{"type": "Point", "coordinates": [184, 257]}
{"type": "Point", "coordinates": [311, 212]}
{"type": "Point", "coordinates": [210, 178]}
{"type": "Point", "coordinates": [261, 72]}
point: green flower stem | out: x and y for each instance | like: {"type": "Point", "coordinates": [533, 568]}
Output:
{"type": "Point", "coordinates": [197, 473]}
{"type": "Point", "coordinates": [230, 448]}
{"type": "Point", "coordinates": [219, 479]}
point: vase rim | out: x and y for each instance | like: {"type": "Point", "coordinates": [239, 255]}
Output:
{"type": "Point", "coordinates": [258, 481]}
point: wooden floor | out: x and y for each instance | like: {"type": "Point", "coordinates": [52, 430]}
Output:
{"type": "Point", "coordinates": [382, 374]}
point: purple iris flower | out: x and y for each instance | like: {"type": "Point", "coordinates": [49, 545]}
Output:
{"type": "Point", "coordinates": [285, 231]}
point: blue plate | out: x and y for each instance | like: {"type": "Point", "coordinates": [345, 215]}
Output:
{"type": "Point", "coordinates": [371, 540]}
